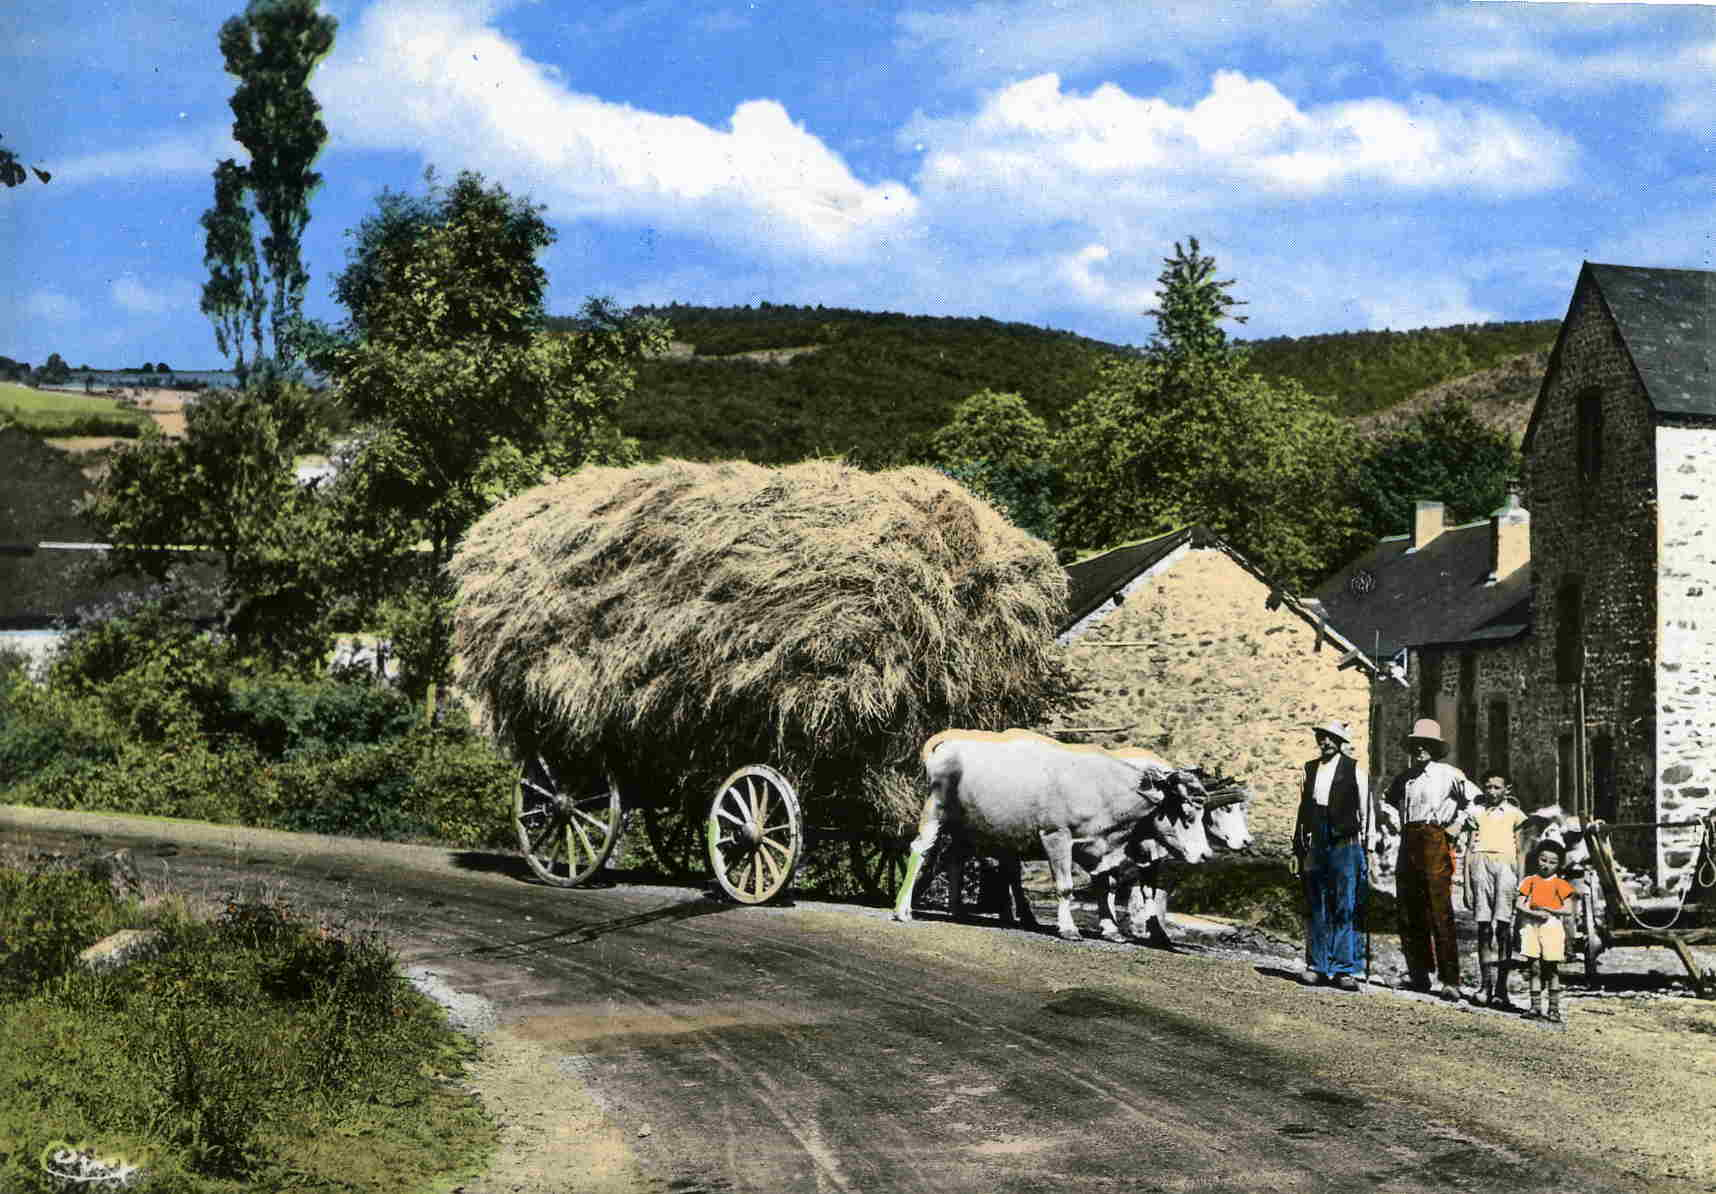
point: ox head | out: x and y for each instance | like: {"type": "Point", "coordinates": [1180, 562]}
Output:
{"type": "Point", "coordinates": [1225, 805]}
{"type": "Point", "coordinates": [1178, 820]}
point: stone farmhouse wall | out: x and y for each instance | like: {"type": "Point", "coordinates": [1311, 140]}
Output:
{"type": "Point", "coordinates": [1686, 635]}
{"type": "Point", "coordinates": [1597, 528]}
{"type": "Point", "coordinates": [1211, 676]}
{"type": "Point", "coordinates": [1482, 697]}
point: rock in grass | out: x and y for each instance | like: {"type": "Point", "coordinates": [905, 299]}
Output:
{"type": "Point", "coordinates": [120, 949]}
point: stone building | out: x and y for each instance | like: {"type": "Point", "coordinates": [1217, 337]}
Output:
{"type": "Point", "coordinates": [1575, 645]}
{"type": "Point", "coordinates": [1186, 648]}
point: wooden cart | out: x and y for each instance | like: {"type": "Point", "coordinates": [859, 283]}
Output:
{"type": "Point", "coordinates": [752, 832]}
{"type": "Point", "coordinates": [1678, 924]}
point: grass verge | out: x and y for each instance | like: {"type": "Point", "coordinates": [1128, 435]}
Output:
{"type": "Point", "coordinates": [252, 1050]}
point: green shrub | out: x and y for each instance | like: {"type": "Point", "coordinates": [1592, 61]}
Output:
{"type": "Point", "coordinates": [156, 673]}
{"type": "Point", "coordinates": [283, 718]}
{"type": "Point", "coordinates": [46, 920]}
{"type": "Point", "coordinates": [436, 784]}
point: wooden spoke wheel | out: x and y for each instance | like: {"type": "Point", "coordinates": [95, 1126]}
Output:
{"type": "Point", "coordinates": [879, 865]}
{"type": "Point", "coordinates": [755, 834]}
{"type": "Point", "coordinates": [566, 829]}
{"type": "Point", "coordinates": [675, 836]}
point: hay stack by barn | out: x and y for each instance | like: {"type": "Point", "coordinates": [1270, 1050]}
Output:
{"type": "Point", "coordinates": [682, 619]}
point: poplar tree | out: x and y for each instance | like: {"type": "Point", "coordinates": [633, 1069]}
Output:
{"type": "Point", "coordinates": [272, 48]}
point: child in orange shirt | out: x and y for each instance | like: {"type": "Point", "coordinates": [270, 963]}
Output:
{"type": "Point", "coordinates": [1545, 906]}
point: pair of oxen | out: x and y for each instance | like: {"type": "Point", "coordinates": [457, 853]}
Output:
{"type": "Point", "coordinates": [1119, 814]}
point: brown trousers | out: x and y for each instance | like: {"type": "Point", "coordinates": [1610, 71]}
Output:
{"type": "Point", "coordinates": [1424, 885]}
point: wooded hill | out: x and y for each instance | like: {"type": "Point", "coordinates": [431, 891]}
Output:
{"type": "Point", "coordinates": [875, 385]}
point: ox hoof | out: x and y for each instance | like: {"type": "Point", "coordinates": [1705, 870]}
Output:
{"type": "Point", "coordinates": [1072, 935]}
{"type": "Point", "coordinates": [1114, 935]}
{"type": "Point", "coordinates": [901, 917]}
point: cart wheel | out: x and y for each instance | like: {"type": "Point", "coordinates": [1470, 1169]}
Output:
{"type": "Point", "coordinates": [879, 864]}
{"type": "Point", "coordinates": [566, 833]}
{"type": "Point", "coordinates": [673, 837]}
{"type": "Point", "coordinates": [755, 834]}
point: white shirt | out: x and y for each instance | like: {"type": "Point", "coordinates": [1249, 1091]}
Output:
{"type": "Point", "coordinates": [1438, 794]}
{"type": "Point", "coordinates": [1325, 779]}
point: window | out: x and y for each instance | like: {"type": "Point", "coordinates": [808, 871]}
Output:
{"type": "Point", "coordinates": [1569, 631]}
{"type": "Point", "coordinates": [1590, 434]}
{"type": "Point", "coordinates": [1466, 731]}
{"type": "Point", "coordinates": [1605, 802]}
{"type": "Point", "coordinates": [1429, 682]}
{"type": "Point", "coordinates": [1497, 739]}
{"type": "Point", "coordinates": [1567, 773]}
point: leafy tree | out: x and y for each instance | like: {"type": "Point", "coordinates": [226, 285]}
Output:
{"type": "Point", "coordinates": [291, 556]}
{"type": "Point", "coordinates": [54, 370]}
{"type": "Point", "coordinates": [233, 298]}
{"type": "Point", "coordinates": [1002, 450]}
{"type": "Point", "coordinates": [12, 170]}
{"type": "Point", "coordinates": [1189, 433]}
{"type": "Point", "coordinates": [445, 361]}
{"type": "Point", "coordinates": [1194, 302]}
{"type": "Point", "coordinates": [460, 395]}
{"type": "Point", "coordinates": [272, 49]}
{"type": "Point", "coordinates": [1446, 454]}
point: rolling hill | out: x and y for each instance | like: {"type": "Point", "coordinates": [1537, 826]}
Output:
{"type": "Point", "coordinates": [776, 383]}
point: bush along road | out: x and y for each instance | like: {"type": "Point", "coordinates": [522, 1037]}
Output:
{"type": "Point", "coordinates": [643, 1037]}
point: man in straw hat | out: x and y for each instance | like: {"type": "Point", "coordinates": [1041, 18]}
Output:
{"type": "Point", "coordinates": [1432, 798]}
{"type": "Point", "coordinates": [1328, 841]}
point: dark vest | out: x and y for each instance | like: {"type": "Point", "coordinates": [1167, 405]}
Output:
{"type": "Point", "coordinates": [1343, 810]}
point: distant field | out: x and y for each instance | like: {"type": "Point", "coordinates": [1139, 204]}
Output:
{"type": "Point", "coordinates": [67, 414]}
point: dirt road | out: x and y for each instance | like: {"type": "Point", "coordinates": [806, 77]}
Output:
{"type": "Point", "coordinates": [649, 1038]}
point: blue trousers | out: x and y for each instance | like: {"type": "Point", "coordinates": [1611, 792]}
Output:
{"type": "Point", "coordinates": [1332, 872]}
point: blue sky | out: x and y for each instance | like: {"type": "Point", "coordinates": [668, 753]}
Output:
{"type": "Point", "coordinates": [1352, 165]}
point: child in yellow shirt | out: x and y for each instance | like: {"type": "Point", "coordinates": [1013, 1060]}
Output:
{"type": "Point", "coordinates": [1492, 882]}
{"type": "Point", "coordinates": [1545, 905]}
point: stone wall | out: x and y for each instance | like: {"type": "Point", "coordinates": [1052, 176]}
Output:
{"type": "Point", "coordinates": [1602, 530]}
{"type": "Point", "coordinates": [1686, 639]}
{"type": "Point", "coordinates": [1213, 677]}
{"type": "Point", "coordinates": [1499, 697]}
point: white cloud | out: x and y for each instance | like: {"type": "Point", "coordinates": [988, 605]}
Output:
{"type": "Point", "coordinates": [1551, 49]}
{"type": "Point", "coordinates": [134, 296]}
{"type": "Point", "coordinates": [177, 153]}
{"type": "Point", "coordinates": [423, 78]}
{"type": "Point", "coordinates": [51, 306]}
{"type": "Point", "coordinates": [1110, 156]}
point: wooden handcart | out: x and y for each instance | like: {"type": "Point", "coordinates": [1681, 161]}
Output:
{"type": "Point", "coordinates": [1678, 923]}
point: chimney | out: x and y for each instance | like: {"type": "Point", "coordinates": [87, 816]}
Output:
{"type": "Point", "coordinates": [1510, 536]}
{"type": "Point", "coordinates": [1426, 524]}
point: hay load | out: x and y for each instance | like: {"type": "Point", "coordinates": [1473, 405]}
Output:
{"type": "Point", "coordinates": [680, 619]}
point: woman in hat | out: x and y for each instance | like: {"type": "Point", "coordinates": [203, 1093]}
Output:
{"type": "Point", "coordinates": [1432, 798]}
{"type": "Point", "coordinates": [1329, 845]}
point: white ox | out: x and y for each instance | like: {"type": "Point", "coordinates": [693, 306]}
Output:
{"type": "Point", "coordinates": [1228, 828]}
{"type": "Point", "coordinates": [1015, 792]}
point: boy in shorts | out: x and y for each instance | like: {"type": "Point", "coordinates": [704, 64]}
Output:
{"type": "Point", "coordinates": [1545, 905]}
{"type": "Point", "coordinates": [1492, 882]}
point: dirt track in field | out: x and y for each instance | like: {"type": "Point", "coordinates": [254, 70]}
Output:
{"type": "Point", "coordinates": [650, 1039]}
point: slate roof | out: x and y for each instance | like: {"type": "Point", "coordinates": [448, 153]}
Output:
{"type": "Point", "coordinates": [1434, 596]}
{"type": "Point", "coordinates": [1093, 581]}
{"type": "Point", "coordinates": [1667, 318]}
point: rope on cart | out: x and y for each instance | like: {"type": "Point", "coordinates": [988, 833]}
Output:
{"type": "Point", "coordinates": [1705, 875]}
